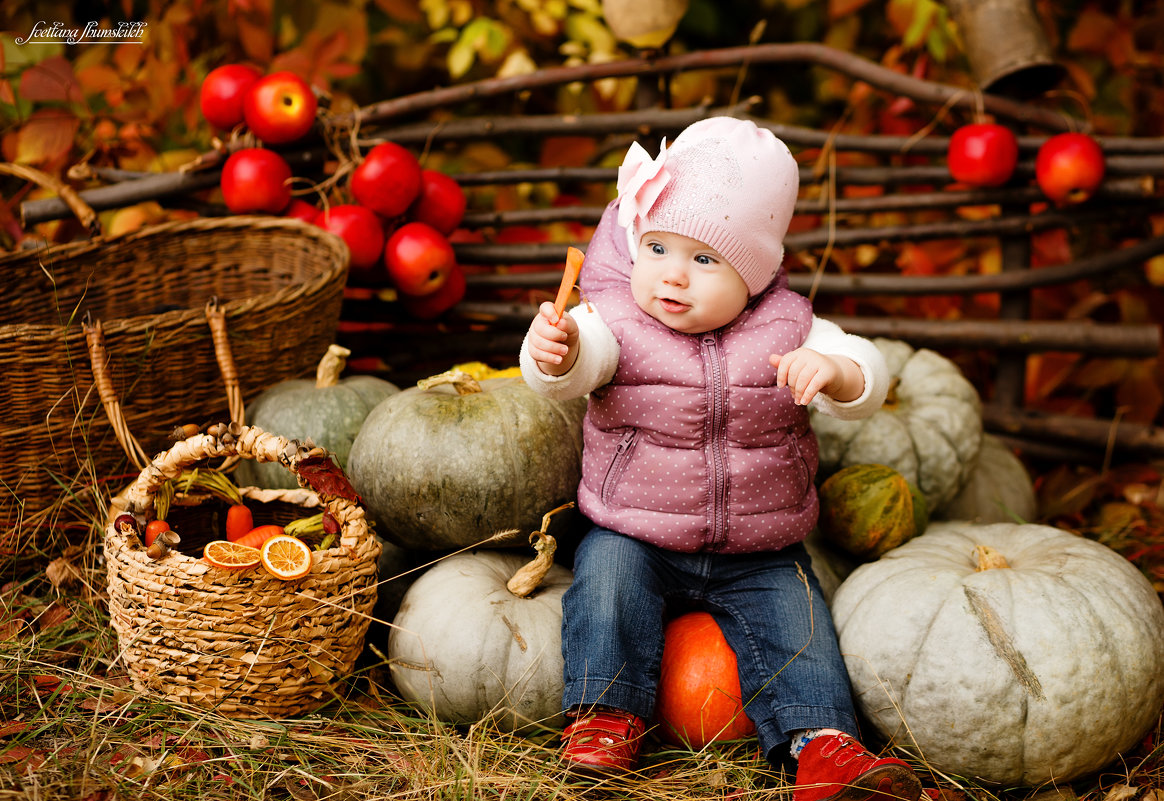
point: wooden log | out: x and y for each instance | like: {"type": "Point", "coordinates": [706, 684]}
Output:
{"type": "Point", "coordinates": [151, 186]}
{"type": "Point", "coordinates": [1024, 336]}
{"type": "Point", "coordinates": [1128, 189]}
{"type": "Point", "coordinates": [648, 122]}
{"type": "Point", "coordinates": [876, 75]}
{"type": "Point", "coordinates": [126, 193]}
{"type": "Point", "coordinates": [864, 284]}
{"type": "Point", "coordinates": [1143, 167]}
{"type": "Point", "coordinates": [1036, 450]}
{"type": "Point", "coordinates": [1121, 439]}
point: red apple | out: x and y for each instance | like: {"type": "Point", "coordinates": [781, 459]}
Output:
{"type": "Point", "coordinates": [1069, 168]}
{"type": "Point", "coordinates": [434, 304]}
{"type": "Point", "coordinates": [388, 180]}
{"type": "Point", "coordinates": [982, 154]}
{"type": "Point", "coordinates": [419, 258]}
{"type": "Point", "coordinates": [363, 233]}
{"type": "Point", "coordinates": [698, 697]}
{"type": "Point", "coordinates": [279, 108]}
{"type": "Point", "coordinates": [441, 202]}
{"type": "Point", "coordinates": [222, 92]}
{"type": "Point", "coordinates": [255, 179]}
{"type": "Point", "coordinates": [300, 209]}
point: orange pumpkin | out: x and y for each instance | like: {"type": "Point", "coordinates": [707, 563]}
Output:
{"type": "Point", "coordinates": [698, 699]}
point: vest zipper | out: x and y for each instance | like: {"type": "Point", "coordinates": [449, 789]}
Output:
{"type": "Point", "coordinates": [717, 456]}
{"type": "Point", "coordinates": [617, 464]}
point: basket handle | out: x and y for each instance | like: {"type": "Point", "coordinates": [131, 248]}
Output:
{"type": "Point", "coordinates": [236, 441]}
{"type": "Point", "coordinates": [216, 319]}
{"type": "Point", "coordinates": [99, 363]}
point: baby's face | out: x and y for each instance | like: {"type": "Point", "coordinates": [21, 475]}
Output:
{"type": "Point", "coordinates": [686, 285]}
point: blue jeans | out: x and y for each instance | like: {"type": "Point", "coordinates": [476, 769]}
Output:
{"type": "Point", "coordinates": [768, 605]}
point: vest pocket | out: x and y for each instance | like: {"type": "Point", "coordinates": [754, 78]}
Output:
{"type": "Point", "coordinates": [622, 456]}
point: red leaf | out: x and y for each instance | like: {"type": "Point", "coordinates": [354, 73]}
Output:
{"type": "Point", "coordinates": [1138, 394]}
{"type": "Point", "coordinates": [1050, 247]}
{"type": "Point", "coordinates": [52, 80]}
{"type": "Point", "coordinates": [46, 137]}
{"type": "Point", "coordinates": [26, 757]}
{"type": "Point", "coordinates": [12, 727]}
{"type": "Point", "coordinates": [325, 477]}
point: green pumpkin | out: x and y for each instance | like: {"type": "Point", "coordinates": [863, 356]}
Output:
{"type": "Point", "coordinates": [328, 410]}
{"type": "Point", "coordinates": [868, 509]}
{"type": "Point", "coordinates": [441, 467]}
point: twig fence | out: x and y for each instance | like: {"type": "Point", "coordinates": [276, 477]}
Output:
{"type": "Point", "coordinates": [506, 279]}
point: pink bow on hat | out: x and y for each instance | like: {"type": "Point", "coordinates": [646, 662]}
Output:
{"type": "Point", "coordinates": [641, 180]}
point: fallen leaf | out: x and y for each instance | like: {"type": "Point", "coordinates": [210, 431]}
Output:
{"type": "Point", "coordinates": [12, 727]}
{"type": "Point", "coordinates": [63, 573]}
{"type": "Point", "coordinates": [1121, 792]}
{"type": "Point", "coordinates": [55, 615]}
{"type": "Point", "coordinates": [24, 757]}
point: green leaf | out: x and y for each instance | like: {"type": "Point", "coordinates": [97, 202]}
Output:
{"type": "Point", "coordinates": [919, 27]}
{"type": "Point", "coordinates": [461, 56]}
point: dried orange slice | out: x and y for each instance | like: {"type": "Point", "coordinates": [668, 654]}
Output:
{"type": "Point", "coordinates": [230, 555]}
{"type": "Point", "coordinates": [286, 557]}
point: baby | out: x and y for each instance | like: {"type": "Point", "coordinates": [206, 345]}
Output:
{"type": "Point", "coordinates": [698, 461]}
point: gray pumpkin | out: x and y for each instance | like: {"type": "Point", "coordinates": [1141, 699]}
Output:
{"type": "Point", "coordinates": [1000, 489]}
{"type": "Point", "coordinates": [465, 647]}
{"type": "Point", "coordinates": [442, 468]}
{"type": "Point", "coordinates": [329, 410]}
{"type": "Point", "coordinates": [929, 429]}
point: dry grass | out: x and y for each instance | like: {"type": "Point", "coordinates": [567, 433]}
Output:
{"type": "Point", "coordinates": [71, 727]}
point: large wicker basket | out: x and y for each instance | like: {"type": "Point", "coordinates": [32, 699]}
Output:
{"type": "Point", "coordinates": [241, 642]}
{"type": "Point", "coordinates": [126, 324]}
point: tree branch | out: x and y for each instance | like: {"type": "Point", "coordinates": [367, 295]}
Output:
{"type": "Point", "coordinates": [1026, 336]}
{"type": "Point", "coordinates": [808, 52]}
{"type": "Point", "coordinates": [1119, 189]}
{"type": "Point", "coordinates": [866, 283]}
{"type": "Point", "coordinates": [1127, 439]}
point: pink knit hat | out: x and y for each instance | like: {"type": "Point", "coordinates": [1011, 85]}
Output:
{"type": "Point", "coordinates": [724, 182]}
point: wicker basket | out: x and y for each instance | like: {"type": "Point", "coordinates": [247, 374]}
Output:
{"type": "Point", "coordinates": [239, 641]}
{"type": "Point", "coordinates": [149, 355]}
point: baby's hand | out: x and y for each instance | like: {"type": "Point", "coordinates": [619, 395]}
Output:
{"type": "Point", "coordinates": [806, 373]}
{"type": "Point", "coordinates": [553, 341]}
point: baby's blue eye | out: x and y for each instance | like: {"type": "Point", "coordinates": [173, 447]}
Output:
{"type": "Point", "coordinates": [658, 249]}
{"type": "Point", "coordinates": [701, 259]}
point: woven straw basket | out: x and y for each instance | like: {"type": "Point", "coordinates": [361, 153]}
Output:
{"type": "Point", "coordinates": [242, 642]}
{"type": "Point", "coordinates": [107, 345]}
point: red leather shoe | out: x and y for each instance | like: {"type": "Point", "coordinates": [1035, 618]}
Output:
{"type": "Point", "coordinates": [835, 767]}
{"type": "Point", "coordinates": [602, 741]}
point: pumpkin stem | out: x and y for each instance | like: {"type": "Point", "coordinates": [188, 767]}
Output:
{"type": "Point", "coordinates": [464, 383]}
{"type": "Point", "coordinates": [891, 394]}
{"type": "Point", "coordinates": [327, 373]}
{"type": "Point", "coordinates": [530, 575]}
{"type": "Point", "coordinates": [987, 558]}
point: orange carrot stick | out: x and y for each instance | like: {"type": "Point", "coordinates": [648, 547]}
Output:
{"type": "Point", "coordinates": [574, 259]}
